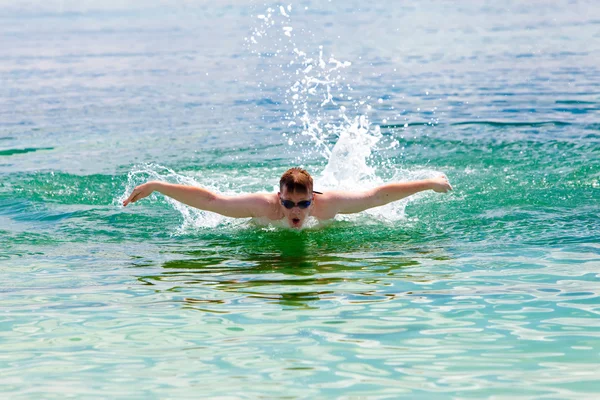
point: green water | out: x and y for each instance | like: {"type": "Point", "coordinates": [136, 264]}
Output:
{"type": "Point", "coordinates": [491, 290]}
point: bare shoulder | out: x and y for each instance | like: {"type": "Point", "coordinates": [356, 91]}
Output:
{"type": "Point", "coordinates": [337, 195]}
{"type": "Point", "coordinates": [245, 205]}
{"type": "Point", "coordinates": [329, 204]}
{"type": "Point", "coordinates": [265, 204]}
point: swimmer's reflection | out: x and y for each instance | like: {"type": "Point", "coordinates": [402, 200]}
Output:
{"type": "Point", "coordinates": [287, 268]}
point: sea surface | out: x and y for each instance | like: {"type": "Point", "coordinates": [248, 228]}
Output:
{"type": "Point", "coordinates": [490, 291]}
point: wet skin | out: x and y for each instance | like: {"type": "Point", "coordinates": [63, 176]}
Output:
{"type": "Point", "coordinates": [268, 205]}
{"type": "Point", "coordinates": [296, 216]}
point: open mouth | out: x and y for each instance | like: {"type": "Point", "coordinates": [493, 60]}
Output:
{"type": "Point", "coordinates": [296, 221]}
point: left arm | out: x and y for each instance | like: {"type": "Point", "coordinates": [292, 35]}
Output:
{"type": "Point", "coordinates": [353, 202]}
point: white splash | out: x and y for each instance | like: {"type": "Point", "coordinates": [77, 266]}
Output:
{"type": "Point", "coordinates": [348, 160]}
{"type": "Point", "coordinates": [320, 100]}
{"type": "Point", "coordinates": [319, 123]}
{"type": "Point", "coordinates": [193, 218]}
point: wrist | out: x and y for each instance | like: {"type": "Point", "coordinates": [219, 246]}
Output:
{"type": "Point", "coordinates": [428, 184]}
{"type": "Point", "coordinates": [155, 186]}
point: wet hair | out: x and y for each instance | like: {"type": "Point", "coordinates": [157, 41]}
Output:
{"type": "Point", "coordinates": [296, 180]}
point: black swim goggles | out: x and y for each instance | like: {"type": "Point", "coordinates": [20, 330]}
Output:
{"type": "Point", "coordinates": [290, 204]}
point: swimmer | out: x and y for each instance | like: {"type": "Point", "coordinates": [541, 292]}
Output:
{"type": "Point", "coordinates": [294, 202]}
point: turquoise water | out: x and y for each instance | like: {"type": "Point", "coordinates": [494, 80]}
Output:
{"type": "Point", "coordinates": [491, 290]}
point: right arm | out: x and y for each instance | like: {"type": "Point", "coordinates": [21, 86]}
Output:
{"type": "Point", "coordinates": [243, 206]}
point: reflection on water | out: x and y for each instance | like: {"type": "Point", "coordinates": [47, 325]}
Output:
{"type": "Point", "coordinates": [292, 269]}
{"type": "Point", "coordinates": [397, 316]}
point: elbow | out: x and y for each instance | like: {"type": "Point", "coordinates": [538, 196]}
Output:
{"type": "Point", "coordinates": [212, 201]}
{"type": "Point", "coordinates": [379, 197]}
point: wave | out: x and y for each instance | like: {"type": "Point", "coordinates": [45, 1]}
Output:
{"type": "Point", "coordinates": [10, 152]}
{"type": "Point", "coordinates": [575, 102]}
{"type": "Point", "coordinates": [488, 123]}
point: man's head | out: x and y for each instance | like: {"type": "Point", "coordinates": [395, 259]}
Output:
{"type": "Point", "coordinates": [296, 196]}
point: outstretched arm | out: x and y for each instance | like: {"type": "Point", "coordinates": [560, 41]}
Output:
{"type": "Point", "coordinates": [243, 206]}
{"type": "Point", "coordinates": [350, 202]}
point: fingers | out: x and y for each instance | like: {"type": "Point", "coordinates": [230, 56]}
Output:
{"type": "Point", "coordinates": [447, 182]}
{"type": "Point", "coordinates": [446, 186]}
{"type": "Point", "coordinates": [135, 198]}
{"type": "Point", "coordinates": [132, 197]}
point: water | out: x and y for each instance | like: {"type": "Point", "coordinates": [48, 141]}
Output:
{"type": "Point", "coordinates": [491, 290]}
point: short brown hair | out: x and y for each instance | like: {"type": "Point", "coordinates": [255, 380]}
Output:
{"type": "Point", "coordinates": [296, 180]}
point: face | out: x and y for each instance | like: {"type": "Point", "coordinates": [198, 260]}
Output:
{"type": "Point", "coordinates": [295, 216]}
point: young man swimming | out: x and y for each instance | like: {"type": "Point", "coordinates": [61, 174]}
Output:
{"type": "Point", "coordinates": [294, 203]}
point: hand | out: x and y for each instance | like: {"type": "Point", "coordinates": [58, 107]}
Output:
{"type": "Point", "coordinates": [440, 184]}
{"type": "Point", "coordinates": [140, 192]}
